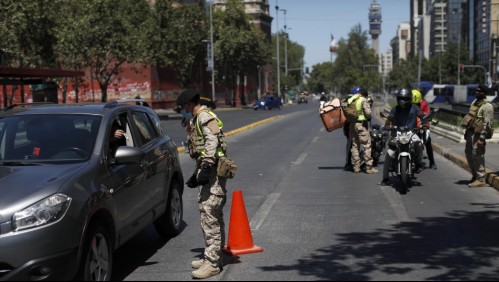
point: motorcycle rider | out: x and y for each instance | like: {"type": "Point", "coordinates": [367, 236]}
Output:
{"type": "Point", "coordinates": [417, 99]}
{"type": "Point", "coordinates": [405, 114]}
{"type": "Point", "coordinates": [359, 132]}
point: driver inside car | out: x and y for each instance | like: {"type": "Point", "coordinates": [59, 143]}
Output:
{"type": "Point", "coordinates": [403, 115]}
{"type": "Point", "coordinates": [117, 138]}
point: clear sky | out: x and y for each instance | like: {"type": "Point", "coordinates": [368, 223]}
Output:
{"type": "Point", "coordinates": [311, 22]}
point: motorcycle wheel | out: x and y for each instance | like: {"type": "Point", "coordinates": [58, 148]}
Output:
{"type": "Point", "coordinates": [404, 177]}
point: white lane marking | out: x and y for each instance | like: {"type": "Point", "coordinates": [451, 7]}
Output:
{"type": "Point", "coordinates": [263, 211]}
{"type": "Point", "coordinates": [315, 139]}
{"type": "Point", "coordinates": [300, 159]}
{"type": "Point", "coordinates": [396, 203]}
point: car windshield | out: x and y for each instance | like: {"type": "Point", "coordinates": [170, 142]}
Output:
{"type": "Point", "coordinates": [47, 138]}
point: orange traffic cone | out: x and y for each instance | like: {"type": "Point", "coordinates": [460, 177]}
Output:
{"type": "Point", "coordinates": [240, 241]}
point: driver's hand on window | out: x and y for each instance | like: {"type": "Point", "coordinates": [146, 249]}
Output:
{"type": "Point", "coordinates": [118, 134]}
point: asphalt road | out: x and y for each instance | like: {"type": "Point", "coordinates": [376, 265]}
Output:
{"type": "Point", "coordinates": [318, 222]}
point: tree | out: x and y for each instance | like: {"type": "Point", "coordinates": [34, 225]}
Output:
{"type": "Point", "coordinates": [240, 47]}
{"type": "Point", "coordinates": [185, 53]}
{"type": "Point", "coordinates": [104, 34]}
{"type": "Point", "coordinates": [355, 65]}
{"type": "Point", "coordinates": [320, 78]}
{"type": "Point", "coordinates": [296, 54]}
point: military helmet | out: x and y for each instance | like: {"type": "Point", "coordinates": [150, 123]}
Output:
{"type": "Point", "coordinates": [417, 97]}
{"type": "Point", "coordinates": [188, 96]}
{"type": "Point", "coordinates": [404, 98]}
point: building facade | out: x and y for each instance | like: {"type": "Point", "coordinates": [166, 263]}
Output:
{"type": "Point", "coordinates": [401, 43]}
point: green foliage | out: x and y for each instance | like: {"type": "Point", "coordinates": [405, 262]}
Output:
{"type": "Point", "coordinates": [354, 66]}
{"type": "Point", "coordinates": [239, 46]}
{"type": "Point", "coordinates": [185, 53]}
{"type": "Point", "coordinates": [27, 31]}
{"type": "Point", "coordinates": [102, 35]}
{"type": "Point", "coordinates": [296, 54]}
{"type": "Point", "coordinates": [439, 68]}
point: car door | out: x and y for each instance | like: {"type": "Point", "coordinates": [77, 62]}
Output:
{"type": "Point", "coordinates": [155, 147]}
{"type": "Point", "coordinates": [129, 183]}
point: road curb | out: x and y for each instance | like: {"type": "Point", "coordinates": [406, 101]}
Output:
{"type": "Point", "coordinates": [492, 179]}
{"type": "Point", "coordinates": [242, 129]}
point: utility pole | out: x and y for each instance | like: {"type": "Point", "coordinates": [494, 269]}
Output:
{"type": "Point", "coordinates": [212, 55]}
{"type": "Point", "coordinates": [285, 43]}
{"type": "Point", "coordinates": [278, 55]}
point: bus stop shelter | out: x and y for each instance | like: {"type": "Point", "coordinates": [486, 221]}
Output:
{"type": "Point", "coordinates": [30, 76]}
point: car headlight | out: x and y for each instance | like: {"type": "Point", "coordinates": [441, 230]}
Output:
{"type": "Point", "coordinates": [48, 210]}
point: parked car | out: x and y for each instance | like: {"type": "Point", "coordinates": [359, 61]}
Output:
{"type": "Point", "coordinates": [268, 103]}
{"type": "Point", "coordinates": [71, 195]}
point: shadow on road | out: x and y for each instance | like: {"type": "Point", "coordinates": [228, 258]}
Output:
{"type": "Point", "coordinates": [460, 246]}
{"type": "Point", "coordinates": [137, 252]}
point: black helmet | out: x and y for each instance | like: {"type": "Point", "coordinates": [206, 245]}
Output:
{"type": "Point", "coordinates": [404, 98]}
{"type": "Point", "coordinates": [188, 96]}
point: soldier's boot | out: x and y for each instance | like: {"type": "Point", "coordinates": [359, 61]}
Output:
{"type": "Point", "coordinates": [478, 183]}
{"type": "Point", "coordinates": [372, 171]}
{"type": "Point", "coordinates": [196, 264]}
{"type": "Point", "coordinates": [205, 271]}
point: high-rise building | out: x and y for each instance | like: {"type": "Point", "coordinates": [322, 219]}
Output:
{"type": "Point", "coordinates": [401, 43]}
{"type": "Point", "coordinates": [418, 9]}
{"type": "Point", "coordinates": [375, 24]}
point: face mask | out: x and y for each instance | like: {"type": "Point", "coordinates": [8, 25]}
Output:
{"type": "Point", "coordinates": [186, 115]}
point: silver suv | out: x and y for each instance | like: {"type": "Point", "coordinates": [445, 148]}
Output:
{"type": "Point", "coordinates": [71, 193]}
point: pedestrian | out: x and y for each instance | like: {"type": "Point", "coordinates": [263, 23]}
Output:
{"type": "Point", "coordinates": [417, 99]}
{"type": "Point", "coordinates": [478, 123]}
{"type": "Point", "coordinates": [207, 145]}
{"type": "Point", "coordinates": [359, 131]}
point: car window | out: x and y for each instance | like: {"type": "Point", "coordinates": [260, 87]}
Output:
{"type": "Point", "coordinates": [157, 122]}
{"type": "Point", "coordinates": [146, 128]}
{"type": "Point", "coordinates": [45, 138]}
{"type": "Point", "coordinates": [119, 134]}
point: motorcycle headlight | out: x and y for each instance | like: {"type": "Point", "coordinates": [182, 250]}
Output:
{"type": "Point", "coordinates": [262, 103]}
{"type": "Point", "coordinates": [404, 139]}
{"type": "Point", "coordinates": [47, 211]}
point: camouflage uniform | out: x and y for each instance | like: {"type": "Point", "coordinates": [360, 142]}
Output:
{"type": "Point", "coordinates": [359, 134]}
{"type": "Point", "coordinates": [212, 196]}
{"type": "Point", "coordinates": [476, 154]}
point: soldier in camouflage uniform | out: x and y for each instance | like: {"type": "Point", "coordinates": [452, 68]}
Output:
{"type": "Point", "coordinates": [206, 145]}
{"type": "Point", "coordinates": [359, 132]}
{"type": "Point", "coordinates": [481, 117]}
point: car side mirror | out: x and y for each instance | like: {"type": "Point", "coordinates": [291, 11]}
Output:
{"type": "Point", "coordinates": [128, 155]}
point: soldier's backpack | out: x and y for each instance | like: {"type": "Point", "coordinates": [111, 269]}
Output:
{"type": "Point", "coordinates": [350, 110]}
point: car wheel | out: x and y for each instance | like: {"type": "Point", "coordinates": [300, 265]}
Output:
{"type": "Point", "coordinates": [97, 260]}
{"type": "Point", "coordinates": [170, 223]}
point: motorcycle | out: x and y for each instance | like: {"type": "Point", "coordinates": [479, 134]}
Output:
{"type": "Point", "coordinates": [405, 156]}
{"type": "Point", "coordinates": [302, 100]}
{"type": "Point", "coordinates": [378, 143]}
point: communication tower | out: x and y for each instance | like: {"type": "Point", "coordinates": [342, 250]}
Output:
{"type": "Point", "coordinates": [375, 24]}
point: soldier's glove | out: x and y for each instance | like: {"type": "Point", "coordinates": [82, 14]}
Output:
{"type": "Point", "coordinates": [204, 174]}
{"type": "Point", "coordinates": [192, 182]}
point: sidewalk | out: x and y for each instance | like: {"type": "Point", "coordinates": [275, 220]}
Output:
{"type": "Point", "coordinates": [454, 152]}
{"type": "Point", "coordinates": [172, 115]}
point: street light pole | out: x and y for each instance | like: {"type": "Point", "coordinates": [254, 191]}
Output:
{"type": "Point", "coordinates": [285, 43]}
{"type": "Point", "coordinates": [212, 55]}
{"type": "Point", "coordinates": [278, 55]}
